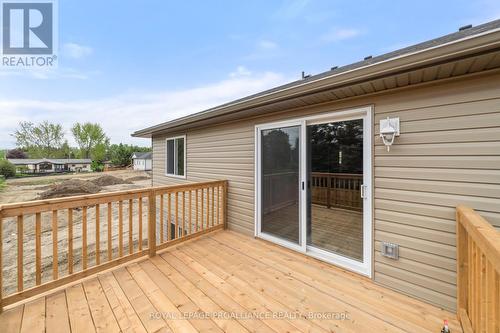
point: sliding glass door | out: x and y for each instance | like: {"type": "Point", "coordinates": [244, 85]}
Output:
{"type": "Point", "coordinates": [313, 186]}
{"type": "Point", "coordinates": [335, 180]}
{"type": "Point", "coordinates": [280, 156]}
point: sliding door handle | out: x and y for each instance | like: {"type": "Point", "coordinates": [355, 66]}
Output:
{"type": "Point", "coordinates": [362, 189]}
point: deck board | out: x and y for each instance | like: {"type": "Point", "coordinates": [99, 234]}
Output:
{"type": "Point", "coordinates": [57, 317]}
{"type": "Point", "coordinates": [127, 318]}
{"type": "Point", "coordinates": [34, 317]}
{"type": "Point", "coordinates": [100, 309]}
{"type": "Point", "coordinates": [225, 275]}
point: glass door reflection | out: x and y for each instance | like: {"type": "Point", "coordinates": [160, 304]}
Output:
{"type": "Point", "coordinates": [280, 179]}
{"type": "Point", "coordinates": [335, 176]}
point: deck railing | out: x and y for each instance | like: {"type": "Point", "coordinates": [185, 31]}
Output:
{"type": "Point", "coordinates": [340, 190]}
{"type": "Point", "coordinates": [478, 271]}
{"type": "Point", "coordinates": [70, 238]}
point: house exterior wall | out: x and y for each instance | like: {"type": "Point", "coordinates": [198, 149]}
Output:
{"type": "Point", "coordinates": [79, 167]}
{"type": "Point", "coordinates": [142, 164]}
{"type": "Point", "coordinates": [448, 154]}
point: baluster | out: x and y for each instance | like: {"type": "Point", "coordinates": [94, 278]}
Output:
{"type": "Point", "coordinates": [120, 228]}
{"type": "Point", "coordinates": [70, 240]}
{"type": "Point", "coordinates": [176, 233]}
{"type": "Point", "coordinates": [140, 223]}
{"type": "Point", "coordinates": [208, 207]}
{"type": "Point", "coordinates": [38, 248]}
{"type": "Point", "coordinates": [472, 293]}
{"type": "Point", "coordinates": [477, 294]}
{"type": "Point", "coordinates": [20, 222]}
{"type": "Point", "coordinates": [469, 271]}
{"type": "Point", "coordinates": [55, 259]}
{"type": "Point", "coordinates": [162, 218]}
{"type": "Point", "coordinates": [201, 215]}
{"type": "Point", "coordinates": [190, 213]}
{"type": "Point", "coordinates": [328, 193]}
{"type": "Point", "coordinates": [491, 292]}
{"type": "Point", "coordinates": [213, 208]}
{"type": "Point", "coordinates": [169, 218]}
{"type": "Point", "coordinates": [84, 238]}
{"type": "Point", "coordinates": [218, 206]}
{"type": "Point", "coordinates": [110, 226]}
{"type": "Point", "coordinates": [183, 213]}
{"type": "Point", "coordinates": [130, 228]}
{"type": "Point", "coordinates": [97, 235]}
{"type": "Point", "coordinates": [224, 204]}
{"type": "Point", "coordinates": [196, 212]}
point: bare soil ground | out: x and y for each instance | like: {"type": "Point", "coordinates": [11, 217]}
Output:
{"type": "Point", "coordinates": [27, 189]}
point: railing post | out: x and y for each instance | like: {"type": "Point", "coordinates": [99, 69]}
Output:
{"type": "Point", "coordinates": [224, 205]}
{"type": "Point", "coordinates": [462, 264]}
{"type": "Point", "coordinates": [152, 223]}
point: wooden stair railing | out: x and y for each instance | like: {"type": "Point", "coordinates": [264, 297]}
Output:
{"type": "Point", "coordinates": [478, 271]}
{"type": "Point", "coordinates": [110, 227]}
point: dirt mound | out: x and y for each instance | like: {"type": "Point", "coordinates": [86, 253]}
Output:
{"type": "Point", "coordinates": [137, 178]}
{"type": "Point", "coordinates": [109, 180]}
{"type": "Point", "coordinates": [70, 188]}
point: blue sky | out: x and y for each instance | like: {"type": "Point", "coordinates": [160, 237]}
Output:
{"type": "Point", "coordinates": [131, 64]}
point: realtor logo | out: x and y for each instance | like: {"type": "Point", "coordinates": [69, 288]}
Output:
{"type": "Point", "coordinates": [28, 33]}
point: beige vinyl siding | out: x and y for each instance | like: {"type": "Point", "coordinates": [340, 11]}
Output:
{"type": "Point", "coordinates": [448, 154]}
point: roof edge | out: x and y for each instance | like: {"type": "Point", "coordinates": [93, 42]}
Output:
{"type": "Point", "coordinates": [434, 53]}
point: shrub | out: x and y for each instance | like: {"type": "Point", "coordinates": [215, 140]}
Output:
{"type": "Point", "coordinates": [97, 166]}
{"type": "Point", "coordinates": [7, 169]}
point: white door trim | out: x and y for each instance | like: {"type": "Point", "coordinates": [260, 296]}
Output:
{"type": "Point", "coordinates": [365, 113]}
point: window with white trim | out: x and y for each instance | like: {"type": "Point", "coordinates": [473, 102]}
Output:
{"type": "Point", "coordinates": [175, 156]}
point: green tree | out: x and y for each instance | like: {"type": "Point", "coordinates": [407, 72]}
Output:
{"type": "Point", "coordinates": [89, 136]}
{"type": "Point", "coordinates": [7, 169]}
{"type": "Point", "coordinates": [39, 140]}
{"type": "Point", "coordinates": [121, 155]}
{"type": "Point", "coordinates": [98, 153]}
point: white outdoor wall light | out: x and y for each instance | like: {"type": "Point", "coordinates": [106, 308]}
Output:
{"type": "Point", "coordinates": [389, 129]}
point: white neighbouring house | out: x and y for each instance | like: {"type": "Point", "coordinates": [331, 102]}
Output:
{"type": "Point", "coordinates": [142, 161]}
{"type": "Point", "coordinates": [52, 165]}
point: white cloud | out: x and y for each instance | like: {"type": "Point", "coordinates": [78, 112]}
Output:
{"type": "Point", "coordinates": [335, 35]}
{"type": "Point", "coordinates": [267, 44]}
{"type": "Point", "coordinates": [123, 114]}
{"type": "Point", "coordinates": [52, 73]}
{"type": "Point", "coordinates": [76, 51]}
{"type": "Point", "coordinates": [240, 71]}
{"type": "Point", "coordinates": [264, 49]}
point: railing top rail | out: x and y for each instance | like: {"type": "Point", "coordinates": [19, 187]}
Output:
{"type": "Point", "coordinates": [483, 233]}
{"type": "Point", "coordinates": [31, 207]}
{"type": "Point", "coordinates": [186, 187]}
{"type": "Point", "coordinates": [329, 174]}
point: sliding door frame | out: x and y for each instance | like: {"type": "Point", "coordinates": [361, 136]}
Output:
{"type": "Point", "coordinates": [365, 113]}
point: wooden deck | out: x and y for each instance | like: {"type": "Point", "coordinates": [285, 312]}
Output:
{"type": "Point", "coordinates": [333, 229]}
{"type": "Point", "coordinates": [215, 283]}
